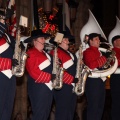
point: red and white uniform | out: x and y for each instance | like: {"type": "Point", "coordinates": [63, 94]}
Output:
{"type": "Point", "coordinates": [5, 63]}
{"type": "Point", "coordinates": [6, 54]}
{"type": "Point", "coordinates": [39, 66]}
{"type": "Point", "coordinates": [67, 62]}
{"type": "Point", "coordinates": [92, 58]}
{"type": "Point", "coordinates": [7, 79]}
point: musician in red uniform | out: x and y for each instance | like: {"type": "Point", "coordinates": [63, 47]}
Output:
{"type": "Point", "coordinates": [7, 79]}
{"type": "Point", "coordinates": [39, 67]}
{"type": "Point", "coordinates": [115, 81]}
{"type": "Point", "coordinates": [95, 87]}
{"type": "Point", "coordinates": [65, 99]}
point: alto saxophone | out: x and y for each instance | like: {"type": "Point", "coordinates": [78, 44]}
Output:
{"type": "Point", "coordinates": [58, 71]}
{"type": "Point", "coordinates": [21, 56]}
{"type": "Point", "coordinates": [82, 73]}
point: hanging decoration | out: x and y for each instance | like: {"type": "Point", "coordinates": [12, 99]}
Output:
{"type": "Point", "coordinates": [47, 23]}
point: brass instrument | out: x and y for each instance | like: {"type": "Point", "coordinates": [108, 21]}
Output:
{"type": "Point", "coordinates": [82, 73]}
{"type": "Point", "coordinates": [112, 56]}
{"type": "Point", "coordinates": [21, 56]}
{"type": "Point", "coordinates": [92, 26]}
{"type": "Point", "coordinates": [109, 60]}
{"type": "Point", "coordinates": [58, 71]}
{"type": "Point", "coordinates": [108, 69]}
{"type": "Point", "coordinates": [80, 85]}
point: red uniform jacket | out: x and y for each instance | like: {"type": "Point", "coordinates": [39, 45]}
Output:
{"type": "Point", "coordinates": [117, 51]}
{"type": "Point", "coordinates": [5, 62]}
{"type": "Point", "coordinates": [67, 62]}
{"type": "Point", "coordinates": [93, 58]}
{"type": "Point", "coordinates": [38, 64]}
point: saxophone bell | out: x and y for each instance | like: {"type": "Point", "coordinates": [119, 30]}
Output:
{"type": "Point", "coordinates": [58, 82]}
{"type": "Point", "coordinates": [80, 85]}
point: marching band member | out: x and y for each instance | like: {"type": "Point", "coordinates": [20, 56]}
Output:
{"type": "Point", "coordinates": [65, 99]}
{"type": "Point", "coordinates": [7, 80]}
{"type": "Point", "coordinates": [92, 57]}
{"type": "Point", "coordinates": [114, 40]}
{"type": "Point", "coordinates": [95, 87]}
{"type": "Point", "coordinates": [39, 67]}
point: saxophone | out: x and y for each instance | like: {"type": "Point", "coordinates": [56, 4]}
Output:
{"type": "Point", "coordinates": [58, 71]}
{"type": "Point", "coordinates": [21, 56]}
{"type": "Point", "coordinates": [82, 73]}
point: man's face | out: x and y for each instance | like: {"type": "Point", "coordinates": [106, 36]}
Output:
{"type": "Point", "coordinates": [95, 42]}
{"type": "Point", "coordinates": [117, 43]}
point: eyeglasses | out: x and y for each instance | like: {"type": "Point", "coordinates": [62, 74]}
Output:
{"type": "Point", "coordinates": [40, 42]}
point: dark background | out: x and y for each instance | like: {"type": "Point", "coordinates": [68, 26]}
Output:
{"type": "Point", "coordinates": [105, 12]}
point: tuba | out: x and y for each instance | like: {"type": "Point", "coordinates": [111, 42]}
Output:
{"type": "Point", "coordinates": [82, 73]}
{"type": "Point", "coordinates": [115, 31]}
{"type": "Point", "coordinates": [92, 26]}
{"type": "Point", "coordinates": [21, 56]}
